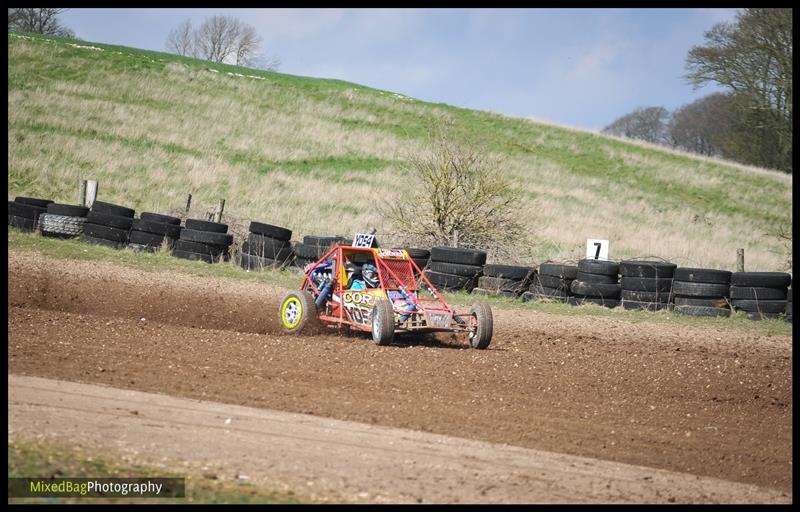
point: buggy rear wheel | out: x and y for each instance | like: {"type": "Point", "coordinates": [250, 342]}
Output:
{"type": "Point", "coordinates": [296, 311]}
{"type": "Point", "coordinates": [382, 322]}
{"type": "Point", "coordinates": [481, 326]}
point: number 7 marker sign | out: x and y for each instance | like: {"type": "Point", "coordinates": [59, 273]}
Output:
{"type": "Point", "coordinates": [596, 249]}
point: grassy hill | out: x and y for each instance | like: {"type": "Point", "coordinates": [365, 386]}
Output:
{"type": "Point", "coordinates": [316, 155]}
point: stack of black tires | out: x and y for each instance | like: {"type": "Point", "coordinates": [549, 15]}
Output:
{"type": "Point", "coordinates": [701, 291]}
{"type": "Point", "coordinates": [23, 212]}
{"type": "Point", "coordinates": [760, 294]}
{"type": "Point", "coordinates": [63, 220]}
{"type": "Point", "coordinates": [597, 282]}
{"type": "Point", "coordinates": [508, 281]}
{"type": "Point", "coordinates": [313, 248]}
{"type": "Point", "coordinates": [203, 240]}
{"type": "Point", "coordinates": [420, 256]}
{"type": "Point", "coordinates": [646, 284]}
{"type": "Point", "coordinates": [455, 268]}
{"type": "Point", "coordinates": [552, 282]}
{"type": "Point", "coordinates": [108, 224]}
{"type": "Point", "coordinates": [267, 246]}
{"type": "Point", "coordinates": [151, 230]}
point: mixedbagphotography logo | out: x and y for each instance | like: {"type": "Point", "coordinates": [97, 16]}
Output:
{"type": "Point", "coordinates": [96, 487]}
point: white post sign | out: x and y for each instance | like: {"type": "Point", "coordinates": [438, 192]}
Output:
{"type": "Point", "coordinates": [363, 240]}
{"type": "Point", "coordinates": [91, 192]}
{"type": "Point", "coordinates": [596, 249]}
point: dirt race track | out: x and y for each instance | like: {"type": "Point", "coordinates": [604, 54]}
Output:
{"type": "Point", "coordinates": [704, 401]}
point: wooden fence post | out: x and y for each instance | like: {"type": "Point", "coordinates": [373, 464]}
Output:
{"type": "Point", "coordinates": [218, 212]}
{"type": "Point", "coordinates": [740, 260]}
{"type": "Point", "coordinates": [188, 204]}
{"type": "Point", "coordinates": [81, 192]}
{"type": "Point", "coordinates": [455, 238]}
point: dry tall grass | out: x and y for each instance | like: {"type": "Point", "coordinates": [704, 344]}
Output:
{"type": "Point", "coordinates": [317, 160]}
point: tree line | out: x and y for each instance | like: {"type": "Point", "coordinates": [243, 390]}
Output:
{"type": "Point", "coordinates": [218, 38]}
{"type": "Point", "coordinates": [38, 20]}
{"type": "Point", "coordinates": [751, 121]}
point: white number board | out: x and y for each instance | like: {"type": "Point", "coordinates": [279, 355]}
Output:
{"type": "Point", "coordinates": [596, 249]}
{"type": "Point", "coordinates": [363, 240]}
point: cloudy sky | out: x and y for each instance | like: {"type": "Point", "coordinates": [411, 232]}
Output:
{"type": "Point", "coordinates": [577, 67]}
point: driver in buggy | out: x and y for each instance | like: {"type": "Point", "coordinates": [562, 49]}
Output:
{"type": "Point", "coordinates": [362, 277]}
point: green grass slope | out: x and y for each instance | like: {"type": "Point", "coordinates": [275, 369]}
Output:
{"type": "Point", "coordinates": [317, 155]}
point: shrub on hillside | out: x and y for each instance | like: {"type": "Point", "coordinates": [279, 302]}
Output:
{"type": "Point", "coordinates": [455, 195]}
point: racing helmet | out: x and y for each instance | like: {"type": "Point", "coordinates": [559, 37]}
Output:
{"type": "Point", "coordinates": [370, 275]}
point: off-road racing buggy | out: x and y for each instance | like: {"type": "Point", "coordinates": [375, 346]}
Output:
{"type": "Point", "coordinates": [397, 298]}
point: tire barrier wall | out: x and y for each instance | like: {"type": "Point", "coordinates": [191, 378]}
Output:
{"type": "Point", "coordinates": [632, 284]}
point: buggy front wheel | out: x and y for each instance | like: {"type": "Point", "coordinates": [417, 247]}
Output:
{"type": "Point", "coordinates": [297, 310]}
{"type": "Point", "coordinates": [480, 326]}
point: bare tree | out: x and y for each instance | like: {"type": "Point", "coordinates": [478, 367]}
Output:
{"type": "Point", "coordinates": [181, 39]}
{"type": "Point", "coordinates": [38, 20]}
{"type": "Point", "coordinates": [246, 45]}
{"type": "Point", "coordinates": [13, 17]}
{"type": "Point", "coordinates": [216, 38]}
{"type": "Point", "coordinates": [457, 189]}
{"type": "Point", "coordinates": [221, 39]}
{"type": "Point", "coordinates": [644, 123]}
